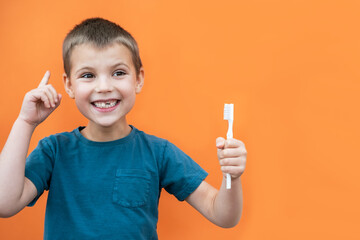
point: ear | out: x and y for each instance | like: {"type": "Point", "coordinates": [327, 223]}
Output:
{"type": "Point", "coordinates": [139, 81]}
{"type": "Point", "coordinates": [68, 86]}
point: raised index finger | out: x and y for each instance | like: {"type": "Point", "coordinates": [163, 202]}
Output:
{"type": "Point", "coordinates": [45, 79]}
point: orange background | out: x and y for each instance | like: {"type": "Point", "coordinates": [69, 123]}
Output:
{"type": "Point", "coordinates": [291, 68]}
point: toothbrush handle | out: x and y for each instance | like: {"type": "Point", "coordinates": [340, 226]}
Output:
{"type": "Point", "coordinates": [229, 135]}
{"type": "Point", "coordinates": [228, 181]}
{"type": "Point", "coordinates": [230, 130]}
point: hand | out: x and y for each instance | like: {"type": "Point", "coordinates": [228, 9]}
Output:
{"type": "Point", "coordinates": [232, 156]}
{"type": "Point", "coordinates": [40, 102]}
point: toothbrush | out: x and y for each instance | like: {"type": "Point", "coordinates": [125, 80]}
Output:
{"type": "Point", "coordinates": [229, 115]}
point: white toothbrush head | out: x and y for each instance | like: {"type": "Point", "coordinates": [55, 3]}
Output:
{"type": "Point", "coordinates": [229, 111]}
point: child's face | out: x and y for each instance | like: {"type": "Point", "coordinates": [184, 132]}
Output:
{"type": "Point", "coordinates": [103, 83]}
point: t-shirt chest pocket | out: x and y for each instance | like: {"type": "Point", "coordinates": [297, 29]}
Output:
{"type": "Point", "coordinates": [131, 187]}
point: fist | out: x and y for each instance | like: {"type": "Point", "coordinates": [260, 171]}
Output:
{"type": "Point", "coordinates": [232, 156]}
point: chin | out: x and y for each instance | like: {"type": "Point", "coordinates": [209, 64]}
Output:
{"type": "Point", "coordinates": [108, 123]}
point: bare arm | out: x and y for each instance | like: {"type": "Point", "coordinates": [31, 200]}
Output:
{"type": "Point", "coordinates": [223, 207]}
{"type": "Point", "coordinates": [16, 191]}
{"type": "Point", "coordinates": [13, 194]}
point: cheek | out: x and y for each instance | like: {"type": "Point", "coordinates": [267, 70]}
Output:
{"type": "Point", "coordinates": [82, 91]}
{"type": "Point", "coordinates": [127, 91]}
{"type": "Point", "coordinates": [128, 87]}
{"type": "Point", "coordinates": [82, 96]}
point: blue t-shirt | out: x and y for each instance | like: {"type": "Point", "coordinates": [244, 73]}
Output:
{"type": "Point", "coordinates": [108, 190]}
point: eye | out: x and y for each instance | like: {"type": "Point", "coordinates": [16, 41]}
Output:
{"type": "Point", "coordinates": [87, 75]}
{"type": "Point", "coordinates": [119, 73]}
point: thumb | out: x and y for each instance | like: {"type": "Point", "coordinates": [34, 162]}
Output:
{"type": "Point", "coordinates": [220, 142]}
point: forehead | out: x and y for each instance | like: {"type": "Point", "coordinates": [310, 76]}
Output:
{"type": "Point", "coordinates": [89, 55]}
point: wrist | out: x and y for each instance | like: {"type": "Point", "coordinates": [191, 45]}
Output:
{"type": "Point", "coordinates": [24, 124]}
{"type": "Point", "coordinates": [233, 179]}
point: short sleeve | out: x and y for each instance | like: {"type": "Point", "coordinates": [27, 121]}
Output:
{"type": "Point", "coordinates": [38, 167]}
{"type": "Point", "coordinates": [180, 175]}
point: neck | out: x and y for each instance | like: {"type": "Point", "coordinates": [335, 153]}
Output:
{"type": "Point", "coordinates": [98, 133]}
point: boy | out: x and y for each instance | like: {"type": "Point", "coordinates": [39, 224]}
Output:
{"type": "Point", "coordinates": [105, 179]}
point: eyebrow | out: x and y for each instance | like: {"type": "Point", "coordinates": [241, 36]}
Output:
{"type": "Point", "coordinates": [91, 68]}
{"type": "Point", "coordinates": [120, 64]}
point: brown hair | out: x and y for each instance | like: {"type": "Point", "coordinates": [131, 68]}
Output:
{"type": "Point", "coordinates": [101, 33]}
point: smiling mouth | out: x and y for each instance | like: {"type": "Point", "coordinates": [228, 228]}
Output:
{"type": "Point", "coordinates": [105, 104]}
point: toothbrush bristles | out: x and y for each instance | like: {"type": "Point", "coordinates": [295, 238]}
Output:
{"type": "Point", "coordinates": [229, 111]}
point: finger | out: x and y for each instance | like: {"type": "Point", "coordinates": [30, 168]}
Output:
{"type": "Point", "coordinates": [45, 79]}
{"type": "Point", "coordinates": [231, 152]}
{"type": "Point", "coordinates": [240, 161]}
{"type": "Point", "coordinates": [53, 92]}
{"type": "Point", "coordinates": [49, 95]}
{"type": "Point", "coordinates": [220, 142]}
{"type": "Point", "coordinates": [40, 95]}
{"type": "Point", "coordinates": [233, 143]}
{"type": "Point", "coordinates": [57, 104]}
{"type": "Point", "coordinates": [59, 96]}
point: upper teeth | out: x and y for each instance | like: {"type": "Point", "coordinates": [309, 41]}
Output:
{"type": "Point", "coordinates": [105, 104]}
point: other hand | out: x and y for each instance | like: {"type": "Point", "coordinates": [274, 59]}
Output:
{"type": "Point", "coordinates": [232, 156]}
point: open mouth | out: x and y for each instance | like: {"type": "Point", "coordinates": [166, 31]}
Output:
{"type": "Point", "coordinates": [106, 104]}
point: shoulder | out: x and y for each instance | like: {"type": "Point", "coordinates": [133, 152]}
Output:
{"type": "Point", "coordinates": [149, 138]}
{"type": "Point", "coordinates": [159, 147]}
{"type": "Point", "coordinates": [59, 138]}
{"type": "Point", "coordinates": [163, 147]}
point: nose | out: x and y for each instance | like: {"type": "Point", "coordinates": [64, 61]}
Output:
{"type": "Point", "coordinates": [104, 84]}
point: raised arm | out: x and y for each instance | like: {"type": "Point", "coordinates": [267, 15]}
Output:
{"type": "Point", "coordinates": [16, 191]}
{"type": "Point", "coordinates": [223, 207]}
